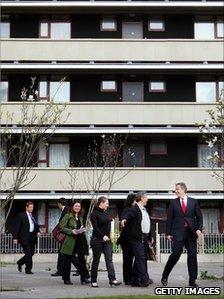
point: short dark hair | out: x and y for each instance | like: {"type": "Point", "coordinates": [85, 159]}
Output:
{"type": "Point", "coordinates": [29, 203]}
{"type": "Point", "coordinates": [130, 199]}
{"type": "Point", "coordinates": [62, 201]}
{"type": "Point", "coordinates": [139, 195]}
{"type": "Point", "coordinates": [182, 186]}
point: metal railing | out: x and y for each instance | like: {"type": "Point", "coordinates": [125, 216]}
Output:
{"type": "Point", "coordinates": [207, 243]}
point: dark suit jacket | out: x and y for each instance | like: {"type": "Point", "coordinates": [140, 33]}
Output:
{"type": "Point", "coordinates": [176, 218]}
{"type": "Point", "coordinates": [22, 227]}
{"type": "Point", "coordinates": [65, 211]}
{"type": "Point", "coordinates": [134, 218]}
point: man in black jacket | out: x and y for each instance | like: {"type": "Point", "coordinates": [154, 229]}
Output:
{"type": "Point", "coordinates": [62, 205]}
{"type": "Point", "coordinates": [183, 227]}
{"type": "Point", "coordinates": [26, 232]}
{"type": "Point", "coordinates": [139, 234]}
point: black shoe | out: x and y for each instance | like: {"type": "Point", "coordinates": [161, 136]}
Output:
{"type": "Point", "coordinates": [136, 284]}
{"type": "Point", "coordinates": [85, 281]}
{"type": "Point", "coordinates": [29, 272]}
{"type": "Point", "coordinates": [150, 281]}
{"type": "Point", "coordinates": [56, 274]}
{"type": "Point", "coordinates": [164, 281]}
{"type": "Point", "coordinates": [19, 267]}
{"type": "Point", "coordinates": [127, 283]}
{"type": "Point", "coordinates": [193, 284]}
{"type": "Point", "coordinates": [114, 283]}
{"type": "Point", "coordinates": [67, 282]}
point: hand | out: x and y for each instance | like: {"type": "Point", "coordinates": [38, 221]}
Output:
{"type": "Point", "coordinates": [169, 237]}
{"type": "Point", "coordinates": [105, 238]}
{"type": "Point", "coordinates": [74, 232]}
{"type": "Point", "coordinates": [38, 235]}
{"type": "Point", "coordinates": [123, 222]}
{"type": "Point", "coordinates": [198, 232]}
{"type": "Point", "coordinates": [15, 241]}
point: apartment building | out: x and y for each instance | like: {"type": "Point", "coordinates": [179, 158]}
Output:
{"type": "Point", "coordinates": [147, 70]}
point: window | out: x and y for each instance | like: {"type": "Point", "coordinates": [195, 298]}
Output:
{"type": "Point", "coordinates": [4, 88]}
{"type": "Point", "coordinates": [157, 86]}
{"type": "Point", "coordinates": [57, 91]}
{"type": "Point", "coordinates": [204, 152]}
{"type": "Point", "coordinates": [55, 29]}
{"type": "Point", "coordinates": [206, 92]}
{"type": "Point", "coordinates": [209, 28]}
{"type": "Point", "coordinates": [59, 155]}
{"type": "Point", "coordinates": [156, 24]}
{"type": "Point", "coordinates": [3, 155]}
{"type": "Point", "coordinates": [204, 30]}
{"type": "Point", "coordinates": [108, 24]}
{"type": "Point", "coordinates": [42, 155]}
{"type": "Point", "coordinates": [211, 220]}
{"type": "Point", "coordinates": [221, 90]}
{"type": "Point", "coordinates": [220, 28]}
{"type": "Point", "coordinates": [5, 29]}
{"type": "Point", "coordinates": [158, 147]}
{"type": "Point", "coordinates": [60, 91]}
{"type": "Point", "coordinates": [108, 86]}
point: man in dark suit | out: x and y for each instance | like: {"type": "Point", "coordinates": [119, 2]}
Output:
{"type": "Point", "coordinates": [138, 221]}
{"type": "Point", "coordinates": [26, 232]}
{"type": "Point", "coordinates": [183, 227]}
{"type": "Point", "coordinates": [62, 205]}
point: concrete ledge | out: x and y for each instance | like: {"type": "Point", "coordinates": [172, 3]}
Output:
{"type": "Point", "coordinates": [202, 258]}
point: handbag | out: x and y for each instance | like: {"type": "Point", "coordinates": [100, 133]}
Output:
{"type": "Point", "coordinates": [57, 234]}
{"type": "Point", "coordinates": [150, 253]}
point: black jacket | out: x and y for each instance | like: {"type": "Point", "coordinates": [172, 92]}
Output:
{"type": "Point", "coordinates": [101, 222]}
{"type": "Point", "coordinates": [22, 227]}
{"type": "Point", "coordinates": [65, 211]}
{"type": "Point", "coordinates": [134, 219]}
{"type": "Point", "coordinates": [176, 218]}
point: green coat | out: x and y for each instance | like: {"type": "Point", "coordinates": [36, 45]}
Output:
{"type": "Point", "coordinates": [67, 224]}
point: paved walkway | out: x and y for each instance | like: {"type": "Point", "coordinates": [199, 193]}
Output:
{"type": "Point", "coordinates": [42, 285]}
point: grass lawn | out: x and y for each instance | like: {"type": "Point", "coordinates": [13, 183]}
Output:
{"type": "Point", "coordinates": [156, 297]}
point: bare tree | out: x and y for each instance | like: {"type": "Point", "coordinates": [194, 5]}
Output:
{"type": "Point", "coordinates": [20, 142]}
{"type": "Point", "coordinates": [213, 134]}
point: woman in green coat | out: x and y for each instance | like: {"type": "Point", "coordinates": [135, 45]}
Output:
{"type": "Point", "coordinates": [75, 243]}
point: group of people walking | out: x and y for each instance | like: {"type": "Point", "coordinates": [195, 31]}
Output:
{"type": "Point", "coordinates": [184, 225]}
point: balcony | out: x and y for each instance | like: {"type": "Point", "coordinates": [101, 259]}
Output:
{"type": "Point", "coordinates": [150, 179]}
{"type": "Point", "coordinates": [100, 50]}
{"type": "Point", "coordinates": [120, 113]}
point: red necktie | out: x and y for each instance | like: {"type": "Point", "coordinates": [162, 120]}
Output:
{"type": "Point", "coordinates": [184, 209]}
{"type": "Point", "coordinates": [183, 206]}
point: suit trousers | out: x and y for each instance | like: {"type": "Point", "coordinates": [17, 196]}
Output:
{"type": "Point", "coordinates": [28, 249]}
{"type": "Point", "coordinates": [190, 243]}
{"type": "Point", "coordinates": [99, 247]}
{"type": "Point", "coordinates": [140, 271]}
{"type": "Point", "coordinates": [128, 258]}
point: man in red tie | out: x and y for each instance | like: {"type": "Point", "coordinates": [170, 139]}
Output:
{"type": "Point", "coordinates": [183, 227]}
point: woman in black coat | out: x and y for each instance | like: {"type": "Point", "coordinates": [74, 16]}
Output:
{"type": "Point", "coordinates": [100, 241]}
{"type": "Point", "coordinates": [124, 241]}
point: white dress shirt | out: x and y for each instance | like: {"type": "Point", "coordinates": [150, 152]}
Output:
{"type": "Point", "coordinates": [145, 224]}
{"type": "Point", "coordinates": [30, 222]}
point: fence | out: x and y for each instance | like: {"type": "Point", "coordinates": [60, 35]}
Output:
{"type": "Point", "coordinates": [207, 243]}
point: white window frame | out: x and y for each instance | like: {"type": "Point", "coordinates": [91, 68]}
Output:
{"type": "Point", "coordinates": [158, 89]}
{"type": "Point", "coordinates": [103, 89]}
{"type": "Point", "coordinates": [156, 20]}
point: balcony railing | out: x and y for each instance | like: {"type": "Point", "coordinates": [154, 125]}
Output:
{"type": "Point", "coordinates": [120, 113]}
{"type": "Point", "coordinates": [102, 50]}
{"type": "Point", "coordinates": [148, 178]}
